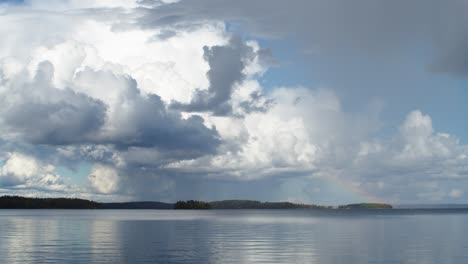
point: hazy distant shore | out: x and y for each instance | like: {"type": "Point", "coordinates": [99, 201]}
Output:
{"type": "Point", "coordinates": [18, 202]}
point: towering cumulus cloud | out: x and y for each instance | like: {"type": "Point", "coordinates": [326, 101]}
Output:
{"type": "Point", "coordinates": [227, 65]}
{"type": "Point", "coordinates": [269, 100]}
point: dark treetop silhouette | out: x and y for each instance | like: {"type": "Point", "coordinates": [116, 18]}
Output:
{"type": "Point", "coordinates": [17, 202]}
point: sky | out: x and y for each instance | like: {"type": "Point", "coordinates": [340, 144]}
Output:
{"type": "Point", "coordinates": [313, 101]}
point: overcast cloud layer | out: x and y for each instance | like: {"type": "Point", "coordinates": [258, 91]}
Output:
{"type": "Point", "coordinates": [166, 100]}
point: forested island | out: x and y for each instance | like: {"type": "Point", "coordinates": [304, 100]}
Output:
{"type": "Point", "coordinates": [18, 202]}
{"type": "Point", "coordinates": [191, 204]}
{"type": "Point", "coordinates": [366, 206]}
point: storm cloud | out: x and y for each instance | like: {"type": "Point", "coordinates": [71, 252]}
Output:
{"type": "Point", "coordinates": [335, 28]}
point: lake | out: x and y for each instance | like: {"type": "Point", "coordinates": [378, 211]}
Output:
{"type": "Point", "coordinates": [233, 236]}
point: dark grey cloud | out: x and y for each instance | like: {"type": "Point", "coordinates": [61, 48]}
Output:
{"type": "Point", "coordinates": [43, 114]}
{"type": "Point", "coordinates": [320, 23]}
{"type": "Point", "coordinates": [366, 28]}
{"type": "Point", "coordinates": [226, 69]}
{"type": "Point", "coordinates": [227, 64]}
{"type": "Point", "coordinates": [144, 121]}
{"type": "Point", "coordinates": [155, 126]}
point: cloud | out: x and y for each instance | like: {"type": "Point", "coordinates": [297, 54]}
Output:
{"type": "Point", "coordinates": [338, 28]}
{"type": "Point", "coordinates": [303, 131]}
{"type": "Point", "coordinates": [135, 120]}
{"type": "Point", "coordinates": [323, 24]}
{"type": "Point", "coordinates": [227, 68]}
{"type": "Point", "coordinates": [19, 168]}
{"type": "Point", "coordinates": [307, 135]}
{"type": "Point", "coordinates": [104, 179]}
{"type": "Point", "coordinates": [25, 172]}
{"type": "Point", "coordinates": [86, 113]}
{"type": "Point", "coordinates": [42, 114]}
{"type": "Point", "coordinates": [419, 139]}
{"type": "Point", "coordinates": [416, 160]}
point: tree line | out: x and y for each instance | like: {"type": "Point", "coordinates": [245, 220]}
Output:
{"type": "Point", "coordinates": [18, 202]}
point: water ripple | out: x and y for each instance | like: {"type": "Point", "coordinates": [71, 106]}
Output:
{"type": "Point", "coordinates": [244, 236]}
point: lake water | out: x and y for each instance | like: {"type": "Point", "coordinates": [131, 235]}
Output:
{"type": "Point", "coordinates": [232, 236]}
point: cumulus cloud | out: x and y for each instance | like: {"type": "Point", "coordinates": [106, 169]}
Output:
{"type": "Point", "coordinates": [104, 179]}
{"type": "Point", "coordinates": [46, 115]}
{"type": "Point", "coordinates": [227, 68]}
{"type": "Point", "coordinates": [101, 107]}
{"type": "Point", "coordinates": [416, 161]}
{"type": "Point", "coordinates": [25, 172]}
{"type": "Point", "coordinates": [144, 121]}
{"type": "Point", "coordinates": [308, 135]}
{"type": "Point", "coordinates": [42, 114]}
{"type": "Point", "coordinates": [300, 131]}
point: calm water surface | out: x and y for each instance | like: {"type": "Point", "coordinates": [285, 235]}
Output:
{"type": "Point", "coordinates": [231, 236]}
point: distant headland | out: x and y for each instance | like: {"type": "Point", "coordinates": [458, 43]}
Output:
{"type": "Point", "coordinates": [18, 202]}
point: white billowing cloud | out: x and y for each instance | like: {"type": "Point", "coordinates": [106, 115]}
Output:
{"type": "Point", "coordinates": [170, 68]}
{"type": "Point", "coordinates": [149, 60]}
{"type": "Point", "coordinates": [104, 179]}
{"type": "Point", "coordinates": [67, 57]}
{"type": "Point", "coordinates": [416, 126]}
{"type": "Point", "coordinates": [415, 160]}
{"type": "Point", "coordinates": [415, 141]}
{"type": "Point", "coordinates": [302, 130]}
{"type": "Point", "coordinates": [90, 96]}
{"type": "Point", "coordinates": [306, 132]}
{"type": "Point", "coordinates": [25, 172]}
{"type": "Point", "coordinates": [420, 140]}
{"type": "Point", "coordinates": [21, 166]}
{"type": "Point", "coordinates": [418, 147]}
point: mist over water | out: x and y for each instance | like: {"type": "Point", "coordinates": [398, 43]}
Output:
{"type": "Point", "coordinates": [231, 236]}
